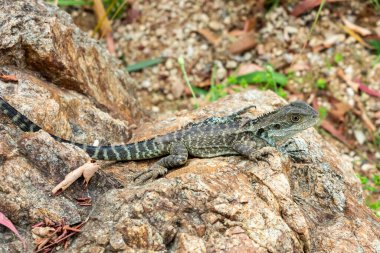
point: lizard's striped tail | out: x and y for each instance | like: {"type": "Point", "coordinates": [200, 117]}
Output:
{"type": "Point", "coordinates": [133, 151]}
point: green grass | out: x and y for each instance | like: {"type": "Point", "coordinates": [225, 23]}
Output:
{"type": "Point", "coordinates": [268, 79]}
{"type": "Point", "coordinates": [376, 5]}
{"type": "Point", "coordinates": [338, 58]}
{"type": "Point", "coordinates": [371, 186]}
{"type": "Point", "coordinates": [117, 6]}
{"type": "Point", "coordinates": [144, 64]}
{"type": "Point", "coordinates": [322, 112]}
{"type": "Point", "coordinates": [321, 84]}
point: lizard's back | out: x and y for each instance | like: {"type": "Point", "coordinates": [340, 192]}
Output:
{"type": "Point", "coordinates": [208, 138]}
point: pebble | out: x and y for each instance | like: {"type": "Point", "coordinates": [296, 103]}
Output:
{"type": "Point", "coordinates": [146, 83]}
{"type": "Point", "coordinates": [155, 109]}
{"type": "Point", "coordinates": [214, 25]}
{"type": "Point", "coordinates": [169, 64]}
{"type": "Point", "coordinates": [360, 136]}
{"type": "Point", "coordinates": [247, 56]}
{"type": "Point", "coordinates": [117, 242]}
{"type": "Point", "coordinates": [231, 64]}
{"type": "Point", "coordinates": [221, 73]}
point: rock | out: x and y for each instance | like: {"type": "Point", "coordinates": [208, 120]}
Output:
{"type": "Point", "coordinates": [294, 204]}
{"type": "Point", "coordinates": [307, 199]}
{"type": "Point", "coordinates": [298, 203]}
{"type": "Point", "coordinates": [39, 37]}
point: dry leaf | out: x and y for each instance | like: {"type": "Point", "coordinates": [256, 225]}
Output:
{"type": "Point", "coordinates": [243, 43]}
{"type": "Point", "coordinates": [209, 36]}
{"type": "Point", "coordinates": [7, 223]}
{"type": "Point", "coordinates": [205, 83]}
{"type": "Point", "coordinates": [87, 170]}
{"type": "Point", "coordinates": [353, 85]}
{"type": "Point", "coordinates": [248, 68]}
{"type": "Point", "coordinates": [308, 5]}
{"type": "Point", "coordinates": [8, 78]}
{"type": "Point", "coordinates": [356, 37]}
{"type": "Point", "coordinates": [101, 15]}
{"type": "Point", "coordinates": [339, 110]}
{"type": "Point", "coordinates": [249, 25]}
{"type": "Point", "coordinates": [337, 134]}
{"type": "Point", "coordinates": [363, 115]}
{"type": "Point", "coordinates": [43, 231]}
{"type": "Point", "coordinates": [362, 31]}
{"type": "Point", "coordinates": [367, 90]}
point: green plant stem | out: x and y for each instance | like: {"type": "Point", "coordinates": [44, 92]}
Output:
{"type": "Point", "coordinates": [181, 62]}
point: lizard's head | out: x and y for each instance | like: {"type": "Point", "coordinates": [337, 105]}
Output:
{"type": "Point", "coordinates": [287, 121]}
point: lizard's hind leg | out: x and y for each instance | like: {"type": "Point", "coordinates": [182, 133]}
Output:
{"type": "Point", "coordinates": [178, 156]}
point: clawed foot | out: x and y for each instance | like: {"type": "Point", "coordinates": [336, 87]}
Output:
{"type": "Point", "coordinates": [262, 155]}
{"type": "Point", "coordinates": [150, 174]}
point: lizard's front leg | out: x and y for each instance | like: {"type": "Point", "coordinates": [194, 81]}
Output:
{"type": "Point", "coordinates": [178, 156]}
{"type": "Point", "coordinates": [252, 150]}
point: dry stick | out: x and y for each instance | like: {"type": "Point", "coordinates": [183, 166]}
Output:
{"type": "Point", "coordinates": [61, 239]}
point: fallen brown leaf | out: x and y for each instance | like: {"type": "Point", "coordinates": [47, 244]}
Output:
{"type": "Point", "coordinates": [352, 84]}
{"type": "Point", "coordinates": [248, 68]}
{"type": "Point", "coordinates": [329, 127]}
{"type": "Point", "coordinates": [308, 5]}
{"type": "Point", "coordinates": [243, 43]}
{"type": "Point", "coordinates": [367, 90]}
{"type": "Point", "coordinates": [338, 110]}
{"type": "Point", "coordinates": [209, 36]}
{"type": "Point", "coordinates": [363, 115]}
{"type": "Point", "coordinates": [7, 223]}
{"type": "Point", "coordinates": [362, 31]}
{"type": "Point", "coordinates": [356, 36]}
{"type": "Point", "coordinates": [8, 78]}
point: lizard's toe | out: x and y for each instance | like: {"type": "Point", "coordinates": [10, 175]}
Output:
{"type": "Point", "coordinates": [262, 155]}
{"type": "Point", "coordinates": [150, 174]}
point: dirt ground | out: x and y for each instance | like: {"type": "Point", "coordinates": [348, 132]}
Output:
{"type": "Point", "coordinates": [334, 67]}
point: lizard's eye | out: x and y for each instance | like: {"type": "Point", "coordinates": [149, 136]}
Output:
{"type": "Point", "coordinates": [277, 126]}
{"type": "Point", "coordinates": [295, 118]}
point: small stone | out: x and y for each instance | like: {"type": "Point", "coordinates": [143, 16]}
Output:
{"type": "Point", "coordinates": [360, 136]}
{"type": "Point", "coordinates": [247, 56]}
{"type": "Point", "coordinates": [368, 167]}
{"type": "Point", "coordinates": [146, 83]}
{"type": "Point", "coordinates": [231, 64]}
{"type": "Point", "coordinates": [204, 47]}
{"type": "Point", "coordinates": [221, 73]}
{"type": "Point", "coordinates": [214, 25]}
{"type": "Point", "coordinates": [169, 64]}
{"type": "Point", "coordinates": [291, 30]}
{"type": "Point", "coordinates": [117, 242]}
{"type": "Point", "coordinates": [155, 109]}
{"type": "Point", "coordinates": [350, 92]}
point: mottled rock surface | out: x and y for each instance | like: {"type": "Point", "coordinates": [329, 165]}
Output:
{"type": "Point", "coordinates": [40, 37]}
{"type": "Point", "coordinates": [306, 200]}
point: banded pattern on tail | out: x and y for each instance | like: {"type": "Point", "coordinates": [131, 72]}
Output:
{"type": "Point", "coordinates": [134, 151]}
{"type": "Point", "coordinates": [17, 118]}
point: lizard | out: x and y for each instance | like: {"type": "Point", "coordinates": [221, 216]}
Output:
{"type": "Point", "coordinates": [233, 134]}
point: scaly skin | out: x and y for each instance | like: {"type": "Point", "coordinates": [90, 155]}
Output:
{"type": "Point", "coordinates": [215, 136]}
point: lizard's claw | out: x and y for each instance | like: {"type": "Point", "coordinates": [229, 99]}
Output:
{"type": "Point", "coordinates": [150, 174]}
{"type": "Point", "coordinates": [261, 155]}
